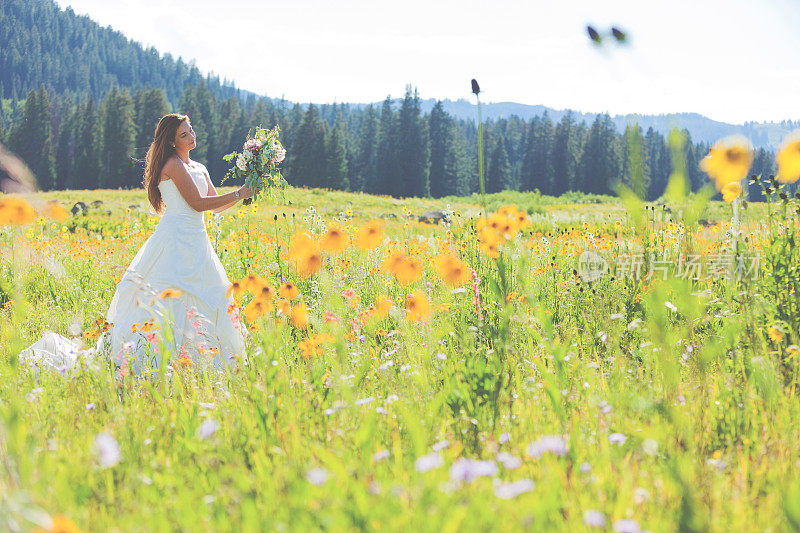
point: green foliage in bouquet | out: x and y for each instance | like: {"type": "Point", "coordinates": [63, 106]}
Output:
{"type": "Point", "coordinates": [258, 162]}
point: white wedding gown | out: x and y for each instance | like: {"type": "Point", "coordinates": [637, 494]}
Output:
{"type": "Point", "coordinates": [178, 255]}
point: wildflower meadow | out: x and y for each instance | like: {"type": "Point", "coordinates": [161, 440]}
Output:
{"type": "Point", "coordinates": [512, 361]}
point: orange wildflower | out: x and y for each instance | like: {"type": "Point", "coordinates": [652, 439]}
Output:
{"type": "Point", "coordinates": [370, 235]}
{"type": "Point", "coordinates": [335, 240]}
{"type": "Point", "coordinates": [418, 307]}
{"type": "Point", "coordinates": [288, 291]}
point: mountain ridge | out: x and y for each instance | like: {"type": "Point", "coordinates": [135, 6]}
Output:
{"type": "Point", "coordinates": [123, 62]}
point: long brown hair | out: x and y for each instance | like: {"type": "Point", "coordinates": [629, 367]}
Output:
{"type": "Point", "coordinates": [160, 151]}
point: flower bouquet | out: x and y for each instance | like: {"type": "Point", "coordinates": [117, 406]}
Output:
{"type": "Point", "coordinates": [258, 162]}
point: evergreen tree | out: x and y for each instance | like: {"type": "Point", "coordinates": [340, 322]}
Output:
{"type": "Point", "coordinates": [537, 169]}
{"type": "Point", "coordinates": [308, 163]}
{"type": "Point", "coordinates": [457, 168]}
{"type": "Point", "coordinates": [440, 130]}
{"type": "Point", "coordinates": [227, 133]}
{"type": "Point", "coordinates": [149, 106]}
{"type": "Point", "coordinates": [600, 166]}
{"type": "Point", "coordinates": [32, 138]}
{"type": "Point", "coordinates": [449, 167]}
{"type": "Point", "coordinates": [695, 176]}
{"type": "Point", "coordinates": [65, 149]}
{"type": "Point", "coordinates": [366, 163]}
{"type": "Point", "coordinates": [764, 166]}
{"type": "Point", "coordinates": [200, 106]}
{"type": "Point", "coordinates": [336, 161]}
{"type": "Point", "coordinates": [414, 152]}
{"type": "Point", "coordinates": [565, 155]}
{"type": "Point", "coordinates": [388, 173]}
{"type": "Point", "coordinates": [86, 170]}
{"type": "Point", "coordinates": [635, 173]}
{"type": "Point", "coordinates": [2, 123]}
{"type": "Point", "coordinates": [118, 170]}
{"type": "Point", "coordinates": [656, 155]}
{"type": "Point", "coordinates": [498, 171]}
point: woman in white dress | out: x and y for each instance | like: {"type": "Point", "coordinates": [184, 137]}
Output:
{"type": "Point", "coordinates": [175, 281]}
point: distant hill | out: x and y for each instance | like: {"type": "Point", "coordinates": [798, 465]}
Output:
{"type": "Point", "coordinates": [702, 129]}
{"type": "Point", "coordinates": [71, 54]}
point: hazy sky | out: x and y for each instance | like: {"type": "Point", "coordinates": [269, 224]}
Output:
{"type": "Point", "coordinates": [731, 60]}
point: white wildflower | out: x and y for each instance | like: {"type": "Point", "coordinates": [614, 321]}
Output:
{"type": "Point", "coordinates": [207, 428]}
{"type": "Point", "coordinates": [552, 443]}
{"type": "Point", "coordinates": [594, 518]}
{"type": "Point", "coordinates": [317, 476]}
{"type": "Point", "coordinates": [428, 462]}
{"type": "Point", "coordinates": [107, 450]}
{"type": "Point", "coordinates": [506, 491]}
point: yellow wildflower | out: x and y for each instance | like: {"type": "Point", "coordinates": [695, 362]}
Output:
{"type": "Point", "coordinates": [418, 307]}
{"type": "Point", "coordinates": [61, 524]}
{"type": "Point", "coordinates": [236, 289]}
{"type": "Point", "coordinates": [255, 309]}
{"type": "Point", "coordinates": [335, 240]}
{"type": "Point", "coordinates": [731, 191]}
{"type": "Point", "coordinates": [775, 334]}
{"type": "Point", "coordinates": [370, 235]}
{"type": "Point", "coordinates": [14, 210]}
{"type": "Point", "coordinates": [382, 306]}
{"type": "Point", "coordinates": [299, 316]}
{"type": "Point", "coordinates": [452, 270]}
{"type": "Point", "coordinates": [169, 293]}
{"type": "Point", "coordinates": [788, 159]}
{"type": "Point", "coordinates": [728, 160]}
{"type": "Point", "coordinates": [53, 209]}
{"type": "Point", "coordinates": [288, 291]}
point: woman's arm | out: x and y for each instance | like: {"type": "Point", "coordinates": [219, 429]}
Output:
{"type": "Point", "coordinates": [186, 186]}
{"type": "Point", "coordinates": [212, 191]}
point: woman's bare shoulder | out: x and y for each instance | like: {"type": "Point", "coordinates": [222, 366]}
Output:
{"type": "Point", "coordinates": [171, 167]}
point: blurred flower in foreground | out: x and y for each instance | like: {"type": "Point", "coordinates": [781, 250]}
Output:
{"type": "Point", "coordinates": [207, 428]}
{"type": "Point", "coordinates": [728, 160]}
{"type": "Point", "coordinates": [452, 269]}
{"type": "Point", "coordinates": [107, 450]}
{"type": "Point", "coordinates": [468, 470]}
{"type": "Point", "coordinates": [370, 235]}
{"type": "Point", "coordinates": [288, 291]}
{"type": "Point", "coordinates": [594, 518]}
{"type": "Point", "coordinates": [731, 191]}
{"type": "Point", "coordinates": [506, 491]}
{"type": "Point", "coordinates": [317, 476]}
{"type": "Point", "coordinates": [61, 524]}
{"type": "Point", "coordinates": [169, 293]}
{"type": "Point", "coordinates": [299, 316]}
{"type": "Point", "coordinates": [428, 462]}
{"type": "Point", "coordinates": [14, 210]}
{"type": "Point", "coordinates": [382, 306]}
{"type": "Point", "coordinates": [550, 443]}
{"type": "Point", "coordinates": [627, 526]}
{"type": "Point", "coordinates": [418, 306]}
{"type": "Point", "coordinates": [304, 252]}
{"type": "Point", "coordinates": [53, 209]}
{"type": "Point", "coordinates": [788, 159]}
{"type": "Point", "coordinates": [335, 240]}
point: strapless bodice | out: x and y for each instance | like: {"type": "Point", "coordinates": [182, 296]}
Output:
{"type": "Point", "coordinates": [176, 206]}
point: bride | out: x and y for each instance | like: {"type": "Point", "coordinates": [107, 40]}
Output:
{"type": "Point", "coordinates": [174, 293]}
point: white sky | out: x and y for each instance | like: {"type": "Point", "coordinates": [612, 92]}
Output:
{"type": "Point", "coordinates": [731, 60]}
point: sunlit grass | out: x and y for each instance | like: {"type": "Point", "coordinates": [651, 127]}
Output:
{"type": "Point", "coordinates": [416, 377]}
